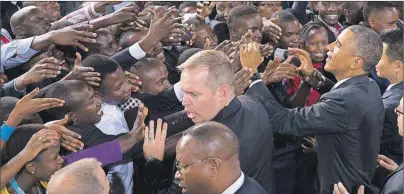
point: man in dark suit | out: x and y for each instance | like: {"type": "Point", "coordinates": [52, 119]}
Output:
{"type": "Point", "coordinates": [208, 162]}
{"type": "Point", "coordinates": [391, 67]}
{"type": "Point", "coordinates": [207, 93]}
{"type": "Point", "coordinates": [348, 120]}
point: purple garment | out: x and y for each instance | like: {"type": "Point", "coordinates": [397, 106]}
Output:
{"type": "Point", "coordinates": [106, 153]}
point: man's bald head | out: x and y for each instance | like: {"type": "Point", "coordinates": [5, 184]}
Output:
{"type": "Point", "coordinates": [213, 139]}
{"type": "Point", "coordinates": [83, 176]}
{"type": "Point", "coordinates": [29, 21]}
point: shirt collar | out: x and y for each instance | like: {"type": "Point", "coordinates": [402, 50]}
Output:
{"type": "Point", "coordinates": [235, 186]}
{"type": "Point", "coordinates": [391, 85]}
{"type": "Point", "coordinates": [340, 82]}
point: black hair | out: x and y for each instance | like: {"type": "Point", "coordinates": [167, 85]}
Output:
{"type": "Point", "coordinates": [374, 6]}
{"type": "Point", "coordinates": [101, 64]}
{"type": "Point", "coordinates": [145, 64]}
{"type": "Point", "coordinates": [65, 90]}
{"type": "Point", "coordinates": [187, 4]}
{"type": "Point", "coordinates": [394, 39]}
{"type": "Point", "coordinates": [238, 12]}
{"type": "Point", "coordinates": [285, 16]}
{"type": "Point", "coordinates": [197, 22]}
{"type": "Point", "coordinates": [19, 139]}
{"type": "Point", "coordinates": [125, 37]}
{"type": "Point", "coordinates": [309, 27]}
{"type": "Point", "coordinates": [301, 17]}
{"type": "Point", "coordinates": [185, 55]}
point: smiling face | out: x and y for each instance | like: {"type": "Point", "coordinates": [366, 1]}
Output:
{"type": "Point", "coordinates": [317, 44]}
{"type": "Point", "coordinates": [290, 35]}
{"type": "Point", "coordinates": [330, 11]}
{"type": "Point", "coordinates": [155, 80]}
{"type": "Point", "coordinates": [116, 88]}
{"type": "Point", "coordinates": [268, 9]}
{"type": "Point", "coordinates": [340, 54]}
{"type": "Point", "coordinates": [89, 109]}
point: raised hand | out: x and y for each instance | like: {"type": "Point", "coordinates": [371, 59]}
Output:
{"type": "Point", "coordinates": [250, 56]}
{"type": "Point", "coordinates": [271, 27]}
{"type": "Point", "coordinates": [306, 67]}
{"type": "Point", "coordinates": [126, 13]}
{"type": "Point", "coordinates": [242, 80]}
{"type": "Point", "coordinates": [70, 140]}
{"type": "Point", "coordinates": [86, 74]}
{"type": "Point", "coordinates": [204, 9]}
{"type": "Point", "coordinates": [164, 27]}
{"type": "Point", "coordinates": [73, 36]}
{"type": "Point", "coordinates": [266, 49]}
{"type": "Point", "coordinates": [340, 189]}
{"type": "Point", "coordinates": [139, 125]}
{"type": "Point", "coordinates": [133, 80]}
{"type": "Point", "coordinates": [43, 139]}
{"type": "Point", "coordinates": [386, 163]}
{"type": "Point", "coordinates": [154, 145]}
{"type": "Point", "coordinates": [28, 106]}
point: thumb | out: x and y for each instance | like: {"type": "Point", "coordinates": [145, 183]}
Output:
{"type": "Point", "coordinates": [64, 121]}
{"type": "Point", "coordinates": [288, 60]}
{"type": "Point", "coordinates": [207, 44]}
{"type": "Point", "coordinates": [361, 190]}
{"type": "Point", "coordinates": [78, 60]}
{"type": "Point", "coordinates": [275, 19]}
{"type": "Point", "coordinates": [153, 16]}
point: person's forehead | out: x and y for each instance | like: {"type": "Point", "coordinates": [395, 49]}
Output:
{"type": "Point", "coordinates": [251, 20]}
{"type": "Point", "coordinates": [53, 150]}
{"type": "Point", "coordinates": [156, 72]}
{"type": "Point", "coordinates": [318, 32]}
{"type": "Point", "coordinates": [388, 13]}
{"type": "Point", "coordinates": [184, 148]}
{"type": "Point", "coordinates": [115, 78]}
{"type": "Point", "coordinates": [290, 26]}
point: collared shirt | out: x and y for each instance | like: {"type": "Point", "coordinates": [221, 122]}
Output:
{"type": "Point", "coordinates": [113, 123]}
{"type": "Point", "coordinates": [235, 186]}
{"type": "Point", "coordinates": [16, 53]}
{"type": "Point", "coordinates": [340, 82]}
{"type": "Point", "coordinates": [391, 85]}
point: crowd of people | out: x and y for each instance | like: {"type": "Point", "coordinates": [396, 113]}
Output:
{"type": "Point", "coordinates": [262, 97]}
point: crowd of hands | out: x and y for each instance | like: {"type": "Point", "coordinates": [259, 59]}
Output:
{"type": "Point", "coordinates": [245, 56]}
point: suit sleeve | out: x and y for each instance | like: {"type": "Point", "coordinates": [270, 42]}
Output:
{"type": "Point", "coordinates": [129, 56]}
{"type": "Point", "coordinates": [330, 115]}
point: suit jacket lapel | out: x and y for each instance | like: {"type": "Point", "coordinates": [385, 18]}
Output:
{"type": "Point", "coordinates": [397, 88]}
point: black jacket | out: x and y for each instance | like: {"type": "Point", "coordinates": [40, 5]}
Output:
{"type": "Point", "coordinates": [391, 143]}
{"type": "Point", "coordinates": [250, 186]}
{"type": "Point", "coordinates": [395, 182]}
{"type": "Point", "coordinates": [347, 122]}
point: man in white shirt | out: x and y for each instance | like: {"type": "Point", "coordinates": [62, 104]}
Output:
{"type": "Point", "coordinates": [114, 90]}
{"type": "Point", "coordinates": [208, 162]}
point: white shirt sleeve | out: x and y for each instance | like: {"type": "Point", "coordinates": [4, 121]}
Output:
{"type": "Point", "coordinates": [136, 51]}
{"type": "Point", "coordinates": [254, 82]}
{"type": "Point", "coordinates": [178, 92]}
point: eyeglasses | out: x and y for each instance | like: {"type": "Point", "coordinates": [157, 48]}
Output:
{"type": "Point", "coordinates": [181, 167]}
{"type": "Point", "coordinates": [398, 111]}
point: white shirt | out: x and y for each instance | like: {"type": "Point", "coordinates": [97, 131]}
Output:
{"type": "Point", "coordinates": [391, 85]}
{"type": "Point", "coordinates": [340, 82]}
{"type": "Point", "coordinates": [235, 186]}
{"type": "Point", "coordinates": [113, 123]}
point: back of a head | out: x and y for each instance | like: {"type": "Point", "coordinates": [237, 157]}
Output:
{"type": "Point", "coordinates": [101, 64]}
{"type": "Point", "coordinates": [238, 12]}
{"type": "Point", "coordinates": [78, 177]}
{"type": "Point", "coordinates": [20, 138]}
{"type": "Point", "coordinates": [187, 54]}
{"type": "Point", "coordinates": [374, 7]}
{"type": "Point", "coordinates": [220, 71]}
{"type": "Point", "coordinates": [394, 40]}
{"type": "Point", "coordinates": [65, 90]}
{"type": "Point", "coordinates": [216, 140]}
{"type": "Point", "coordinates": [367, 45]}
{"type": "Point", "coordinates": [18, 17]}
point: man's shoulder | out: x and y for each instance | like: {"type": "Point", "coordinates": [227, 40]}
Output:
{"type": "Point", "coordinates": [251, 186]}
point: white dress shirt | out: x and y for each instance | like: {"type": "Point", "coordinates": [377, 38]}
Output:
{"type": "Point", "coordinates": [235, 186]}
{"type": "Point", "coordinates": [391, 85]}
{"type": "Point", "coordinates": [340, 82]}
{"type": "Point", "coordinates": [113, 123]}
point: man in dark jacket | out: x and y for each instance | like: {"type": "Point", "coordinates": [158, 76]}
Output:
{"type": "Point", "coordinates": [208, 162]}
{"type": "Point", "coordinates": [348, 120]}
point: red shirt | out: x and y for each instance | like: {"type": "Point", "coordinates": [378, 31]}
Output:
{"type": "Point", "coordinates": [293, 85]}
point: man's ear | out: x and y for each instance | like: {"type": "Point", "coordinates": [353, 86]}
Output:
{"type": "Point", "coordinates": [214, 167]}
{"type": "Point", "coordinates": [357, 63]}
{"type": "Point", "coordinates": [346, 12]}
{"type": "Point", "coordinates": [223, 91]}
{"type": "Point", "coordinates": [371, 22]}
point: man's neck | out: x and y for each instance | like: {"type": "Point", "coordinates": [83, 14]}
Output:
{"type": "Point", "coordinates": [230, 179]}
{"type": "Point", "coordinates": [26, 181]}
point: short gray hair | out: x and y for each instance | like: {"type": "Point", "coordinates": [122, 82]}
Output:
{"type": "Point", "coordinates": [220, 71]}
{"type": "Point", "coordinates": [82, 174]}
{"type": "Point", "coordinates": [367, 45]}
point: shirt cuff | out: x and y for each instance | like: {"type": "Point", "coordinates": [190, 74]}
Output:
{"type": "Point", "coordinates": [15, 88]}
{"type": "Point", "coordinates": [24, 48]}
{"type": "Point", "coordinates": [136, 51]}
{"type": "Point", "coordinates": [178, 92]}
